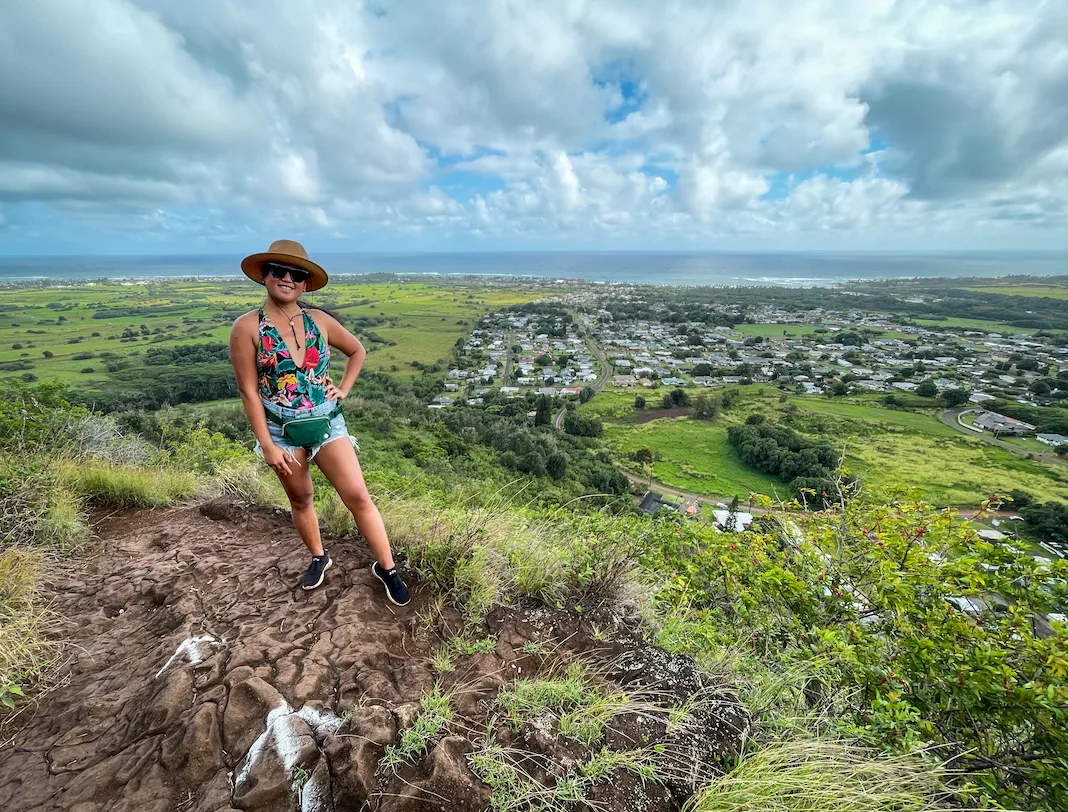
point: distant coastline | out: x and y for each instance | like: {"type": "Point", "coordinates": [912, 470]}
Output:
{"type": "Point", "coordinates": [663, 268]}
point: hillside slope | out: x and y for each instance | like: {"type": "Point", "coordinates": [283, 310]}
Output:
{"type": "Point", "coordinates": [202, 678]}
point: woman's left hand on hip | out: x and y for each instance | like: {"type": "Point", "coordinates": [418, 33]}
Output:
{"type": "Point", "coordinates": [333, 393]}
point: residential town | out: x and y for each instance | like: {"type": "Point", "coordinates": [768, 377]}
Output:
{"type": "Point", "coordinates": [584, 338]}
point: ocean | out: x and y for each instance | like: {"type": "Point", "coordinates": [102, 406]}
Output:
{"type": "Point", "coordinates": [790, 269]}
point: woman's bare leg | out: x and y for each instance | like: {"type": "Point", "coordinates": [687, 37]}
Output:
{"type": "Point", "coordinates": [298, 487]}
{"type": "Point", "coordinates": [337, 460]}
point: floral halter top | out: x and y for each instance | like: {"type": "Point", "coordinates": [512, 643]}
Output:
{"type": "Point", "coordinates": [282, 382]}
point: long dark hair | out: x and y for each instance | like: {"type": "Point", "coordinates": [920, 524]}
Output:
{"type": "Point", "coordinates": [306, 305]}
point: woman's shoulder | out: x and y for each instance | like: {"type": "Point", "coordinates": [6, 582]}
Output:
{"type": "Point", "coordinates": [321, 317]}
{"type": "Point", "coordinates": [247, 321]}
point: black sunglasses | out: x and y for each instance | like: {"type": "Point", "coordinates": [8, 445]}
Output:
{"type": "Point", "coordinates": [279, 271]}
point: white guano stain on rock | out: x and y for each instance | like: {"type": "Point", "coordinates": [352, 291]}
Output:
{"type": "Point", "coordinates": [285, 729]}
{"type": "Point", "coordinates": [192, 650]}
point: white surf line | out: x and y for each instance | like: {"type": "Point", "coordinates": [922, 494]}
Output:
{"type": "Point", "coordinates": [192, 650]}
{"type": "Point", "coordinates": [281, 722]}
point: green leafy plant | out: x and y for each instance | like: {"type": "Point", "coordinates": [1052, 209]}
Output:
{"type": "Point", "coordinates": [435, 713]}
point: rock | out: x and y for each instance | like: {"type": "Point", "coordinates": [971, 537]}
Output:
{"type": "Point", "coordinates": [406, 715]}
{"type": "Point", "coordinates": [222, 510]}
{"type": "Point", "coordinates": [449, 787]}
{"type": "Point", "coordinates": [246, 714]}
{"type": "Point", "coordinates": [354, 753]}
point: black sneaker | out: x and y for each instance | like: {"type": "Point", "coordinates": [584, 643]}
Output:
{"type": "Point", "coordinates": [396, 589]}
{"type": "Point", "coordinates": [316, 571]}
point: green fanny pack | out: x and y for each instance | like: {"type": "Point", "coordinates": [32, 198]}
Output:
{"type": "Point", "coordinates": [304, 432]}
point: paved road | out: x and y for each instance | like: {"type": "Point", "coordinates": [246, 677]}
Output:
{"type": "Point", "coordinates": [596, 385]}
{"type": "Point", "coordinates": [951, 417]}
{"type": "Point", "coordinates": [505, 377]}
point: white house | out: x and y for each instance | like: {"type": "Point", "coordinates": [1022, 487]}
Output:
{"type": "Point", "coordinates": [1052, 439]}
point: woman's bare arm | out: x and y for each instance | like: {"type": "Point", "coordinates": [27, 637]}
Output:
{"type": "Point", "coordinates": [341, 339]}
{"type": "Point", "coordinates": [243, 358]}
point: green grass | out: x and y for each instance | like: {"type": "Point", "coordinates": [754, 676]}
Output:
{"type": "Point", "coordinates": [481, 557]}
{"type": "Point", "coordinates": [974, 324]}
{"type": "Point", "coordinates": [116, 486]}
{"type": "Point", "coordinates": [435, 713]}
{"type": "Point", "coordinates": [694, 456]}
{"type": "Point", "coordinates": [24, 650]}
{"type": "Point", "coordinates": [888, 448]}
{"type": "Point", "coordinates": [614, 404]}
{"type": "Point", "coordinates": [812, 775]}
{"type": "Point", "coordinates": [781, 331]}
{"type": "Point", "coordinates": [1040, 291]}
{"type": "Point", "coordinates": [926, 424]}
{"type": "Point", "coordinates": [430, 317]}
{"type": "Point", "coordinates": [1029, 444]}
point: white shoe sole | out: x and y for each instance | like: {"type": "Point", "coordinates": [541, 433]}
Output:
{"type": "Point", "coordinates": [389, 597]}
{"type": "Point", "coordinates": [319, 583]}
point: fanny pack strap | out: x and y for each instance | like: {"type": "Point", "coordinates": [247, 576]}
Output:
{"type": "Point", "coordinates": [281, 422]}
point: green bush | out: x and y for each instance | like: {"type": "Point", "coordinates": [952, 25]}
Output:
{"type": "Point", "coordinates": [865, 591]}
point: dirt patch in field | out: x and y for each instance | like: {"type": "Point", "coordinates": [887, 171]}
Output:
{"type": "Point", "coordinates": [203, 678]}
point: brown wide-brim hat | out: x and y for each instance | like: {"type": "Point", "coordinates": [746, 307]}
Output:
{"type": "Point", "coordinates": [288, 252]}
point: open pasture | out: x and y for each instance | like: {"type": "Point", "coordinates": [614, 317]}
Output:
{"type": "Point", "coordinates": [1047, 291]}
{"type": "Point", "coordinates": [76, 333]}
{"type": "Point", "coordinates": [889, 449]}
{"type": "Point", "coordinates": [972, 324]}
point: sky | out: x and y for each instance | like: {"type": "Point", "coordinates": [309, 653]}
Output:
{"type": "Point", "coordinates": [217, 126]}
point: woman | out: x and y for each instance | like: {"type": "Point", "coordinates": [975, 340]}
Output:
{"type": "Point", "coordinates": [281, 358]}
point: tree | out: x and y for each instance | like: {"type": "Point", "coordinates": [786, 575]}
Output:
{"type": "Point", "coordinates": [840, 389]}
{"type": "Point", "coordinates": [678, 398]}
{"type": "Point", "coordinates": [955, 397]}
{"type": "Point", "coordinates": [1040, 387]}
{"type": "Point", "coordinates": [48, 354]}
{"type": "Point", "coordinates": [1048, 521]}
{"type": "Point", "coordinates": [1020, 499]}
{"type": "Point", "coordinates": [642, 456]}
{"type": "Point", "coordinates": [556, 465]}
{"type": "Point", "coordinates": [705, 407]}
{"type": "Point", "coordinates": [639, 402]}
{"type": "Point", "coordinates": [543, 411]}
{"type": "Point", "coordinates": [586, 393]}
{"type": "Point", "coordinates": [927, 389]}
{"type": "Point", "coordinates": [582, 426]}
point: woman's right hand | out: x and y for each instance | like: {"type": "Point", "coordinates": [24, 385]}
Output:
{"type": "Point", "coordinates": [278, 459]}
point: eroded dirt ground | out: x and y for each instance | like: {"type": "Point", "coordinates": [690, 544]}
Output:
{"type": "Point", "coordinates": [201, 677]}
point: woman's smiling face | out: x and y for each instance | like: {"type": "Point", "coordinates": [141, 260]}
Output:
{"type": "Point", "coordinates": [283, 290]}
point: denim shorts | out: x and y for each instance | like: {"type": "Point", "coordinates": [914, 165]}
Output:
{"type": "Point", "coordinates": [337, 426]}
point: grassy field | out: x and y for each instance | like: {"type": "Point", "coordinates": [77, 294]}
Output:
{"type": "Point", "coordinates": [973, 324]}
{"type": "Point", "coordinates": [888, 449]}
{"type": "Point", "coordinates": [425, 319]}
{"type": "Point", "coordinates": [781, 330]}
{"type": "Point", "coordinates": [1040, 291]}
{"type": "Point", "coordinates": [693, 455]}
{"type": "Point", "coordinates": [798, 330]}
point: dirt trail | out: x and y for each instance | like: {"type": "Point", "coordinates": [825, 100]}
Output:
{"type": "Point", "coordinates": [203, 678]}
